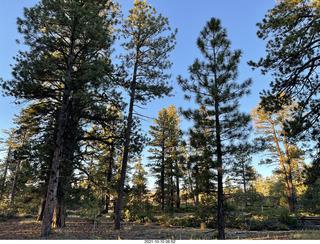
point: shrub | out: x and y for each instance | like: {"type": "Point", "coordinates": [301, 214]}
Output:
{"type": "Point", "coordinates": [7, 211]}
{"type": "Point", "coordinates": [7, 214]}
{"type": "Point", "coordinates": [186, 221]}
{"type": "Point", "coordinates": [255, 225]}
{"type": "Point", "coordinates": [286, 219]}
{"type": "Point", "coordinates": [140, 217]}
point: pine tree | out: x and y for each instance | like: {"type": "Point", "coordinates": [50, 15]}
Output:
{"type": "Point", "coordinates": [139, 182]}
{"type": "Point", "coordinates": [271, 127]}
{"type": "Point", "coordinates": [212, 81]}
{"type": "Point", "coordinates": [203, 152]}
{"type": "Point", "coordinates": [291, 29]}
{"type": "Point", "coordinates": [242, 169]}
{"type": "Point", "coordinates": [67, 65]}
{"type": "Point", "coordinates": [166, 135]}
{"type": "Point", "coordinates": [143, 69]}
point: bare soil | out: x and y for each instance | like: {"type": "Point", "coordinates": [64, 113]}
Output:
{"type": "Point", "coordinates": [81, 229]}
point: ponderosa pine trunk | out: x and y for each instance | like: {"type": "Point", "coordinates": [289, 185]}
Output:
{"type": "Point", "coordinates": [178, 191]}
{"type": "Point", "coordinates": [171, 186]}
{"type": "Point", "coordinates": [14, 182]}
{"type": "Point", "coordinates": [221, 225]}
{"type": "Point", "coordinates": [58, 159]}
{"type": "Point", "coordinates": [4, 177]}
{"type": "Point", "coordinates": [60, 152]}
{"type": "Point", "coordinates": [244, 186]}
{"type": "Point", "coordinates": [41, 209]}
{"type": "Point", "coordinates": [109, 177]}
{"type": "Point", "coordinates": [118, 209]}
{"type": "Point", "coordinates": [60, 210]}
{"type": "Point", "coordinates": [162, 176]}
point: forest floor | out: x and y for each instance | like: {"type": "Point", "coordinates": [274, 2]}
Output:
{"type": "Point", "coordinates": [81, 229]}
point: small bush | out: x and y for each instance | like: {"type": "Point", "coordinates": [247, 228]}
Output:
{"type": "Point", "coordinates": [7, 214]}
{"type": "Point", "coordinates": [186, 221]}
{"type": "Point", "coordinates": [139, 217]}
{"type": "Point", "coordinates": [288, 220]}
{"type": "Point", "coordinates": [255, 225]}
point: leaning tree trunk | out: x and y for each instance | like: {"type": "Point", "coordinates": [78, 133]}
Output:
{"type": "Point", "coordinates": [59, 156]}
{"type": "Point", "coordinates": [118, 209]}
{"type": "Point", "coordinates": [41, 209]}
{"type": "Point", "coordinates": [58, 160]}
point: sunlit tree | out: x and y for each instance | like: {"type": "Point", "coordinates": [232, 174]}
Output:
{"type": "Point", "coordinates": [166, 137]}
{"type": "Point", "coordinates": [271, 128]}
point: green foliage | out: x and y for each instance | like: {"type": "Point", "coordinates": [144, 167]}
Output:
{"type": "Point", "coordinates": [166, 147]}
{"type": "Point", "coordinates": [218, 123]}
{"type": "Point", "coordinates": [7, 214]}
{"type": "Point", "coordinates": [186, 221]}
{"type": "Point", "coordinates": [290, 221]}
{"type": "Point", "coordinates": [291, 29]}
{"type": "Point", "coordinates": [7, 211]}
{"type": "Point", "coordinates": [89, 202]}
{"type": "Point", "coordinates": [206, 208]}
{"type": "Point", "coordinates": [148, 42]}
{"type": "Point", "coordinates": [138, 217]}
{"type": "Point", "coordinates": [311, 197]}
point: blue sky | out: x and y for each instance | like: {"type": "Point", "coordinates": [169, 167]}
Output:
{"type": "Point", "coordinates": [239, 17]}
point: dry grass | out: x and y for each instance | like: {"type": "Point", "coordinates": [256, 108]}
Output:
{"type": "Point", "coordinates": [80, 229]}
{"type": "Point", "coordinates": [307, 235]}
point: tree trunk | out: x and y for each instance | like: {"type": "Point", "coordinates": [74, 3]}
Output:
{"type": "Point", "coordinates": [244, 186]}
{"type": "Point", "coordinates": [178, 192]}
{"type": "Point", "coordinates": [116, 225]}
{"type": "Point", "coordinates": [162, 176]}
{"type": "Point", "coordinates": [59, 156]}
{"type": "Point", "coordinates": [171, 186]}
{"type": "Point", "coordinates": [197, 199]}
{"type": "Point", "coordinates": [60, 212]}
{"type": "Point", "coordinates": [290, 190]}
{"type": "Point", "coordinates": [41, 209]}
{"type": "Point", "coordinates": [14, 183]}
{"type": "Point", "coordinates": [221, 234]}
{"type": "Point", "coordinates": [3, 180]}
{"type": "Point", "coordinates": [109, 177]}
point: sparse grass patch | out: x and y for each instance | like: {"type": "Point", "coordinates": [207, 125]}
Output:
{"type": "Point", "coordinates": [307, 235]}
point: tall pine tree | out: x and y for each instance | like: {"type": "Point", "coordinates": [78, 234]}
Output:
{"type": "Point", "coordinates": [67, 65]}
{"type": "Point", "coordinates": [213, 82]}
{"type": "Point", "coordinates": [166, 135]}
{"type": "Point", "coordinates": [143, 69]}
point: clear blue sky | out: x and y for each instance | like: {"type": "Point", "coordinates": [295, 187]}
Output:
{"type": "Point", "coordinates": [239, 17]}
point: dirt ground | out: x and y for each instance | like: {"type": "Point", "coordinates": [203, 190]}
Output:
{"type": "Point", "coordinates": [80, 229]}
